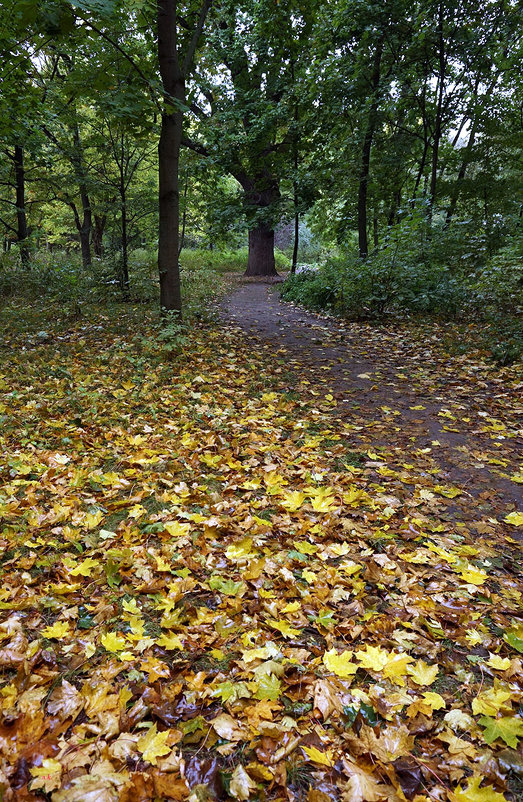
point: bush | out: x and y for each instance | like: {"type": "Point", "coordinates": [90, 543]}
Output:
{"type": "Point", "coordinates": [226, 261]}
{"type": "Point", "coordinates": [442, 278]}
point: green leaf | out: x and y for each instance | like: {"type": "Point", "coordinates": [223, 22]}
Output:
{"type": "Point", "coordinates": [508, 728]}
{"type": "Point", "coordinates": [269, 687]}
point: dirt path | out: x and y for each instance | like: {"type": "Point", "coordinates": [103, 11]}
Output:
{"type": "Point", "coordinates": [407, 399]}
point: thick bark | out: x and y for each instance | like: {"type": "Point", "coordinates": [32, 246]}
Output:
{"type": "Point", "coordinates": [21, 219]}
{"type": "Point", "coordinates": [168, 159]}
{"type": "Point", "coordinates": [172, 73]}
{"type": "Point", "coordinates": [260, 193]}
{"type": "Point", "coordinates": [363, 243]}
{"type": "Point", "coordinates": [261, 252]}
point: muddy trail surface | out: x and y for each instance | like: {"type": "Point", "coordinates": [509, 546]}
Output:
{"type": "Point", "coordinates": [401, 399]}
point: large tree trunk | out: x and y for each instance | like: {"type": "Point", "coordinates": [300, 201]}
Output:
{"type": "Point", "coordinates": [363, 243]}
{"type": "Point", "coordinates": [21, 219]}
{"type": "Point", "coordinates": [261, 252]}
{"type": "Point", "coordinates": [168, 159]}
{"type": "Point", "coordinates": [259, 194]}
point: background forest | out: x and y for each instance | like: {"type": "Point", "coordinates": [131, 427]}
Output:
{"type": "Point", "coordinates": [376, 144]}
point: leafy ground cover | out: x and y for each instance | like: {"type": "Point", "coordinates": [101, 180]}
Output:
{"type": "Point", "coordinates": [211, 589]}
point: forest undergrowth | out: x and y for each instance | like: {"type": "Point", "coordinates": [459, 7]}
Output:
{"type": "Point", "coordinates": [208, 591]}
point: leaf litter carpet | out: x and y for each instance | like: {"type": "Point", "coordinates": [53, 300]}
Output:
{"type": "Point", "coordinates": [235, 575]}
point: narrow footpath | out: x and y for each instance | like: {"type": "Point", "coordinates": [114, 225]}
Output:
{"type": "Point", "coordinates": [403, 397]}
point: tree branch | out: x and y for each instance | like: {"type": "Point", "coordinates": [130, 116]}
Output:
{"type": "Point", "coordinates": [197, 147]}
{"type": "Point", "coordinates": [193, 44]}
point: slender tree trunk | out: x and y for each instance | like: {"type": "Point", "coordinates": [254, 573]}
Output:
{"type": "Point", "coordinates": [85, 242]}
{"type": "Point", "coordinates": [86, 225]}
{"type": "Point", "coordinates": [184, 215]}
{"type": "Point", "coordinates": [98, 231]}
{"type": "Point", "coordinates": [261, 252]}
{"type": "Point", "coordinates": [168, 159]}
{"type": "Point", "coordinates": [375, 231]}
{"type": "Point", "coordinates": [365, 154]}
{"type": "Point", "coordinates": [439, 107]}
{"type": "Point", "coordinates": [296, 243]}
{"type": "Point", "coordinates": [124, 277]}
{"type": "Point", "coordinates": [21, 219]}
{"type": "Point", "coordinates": [295, 183]}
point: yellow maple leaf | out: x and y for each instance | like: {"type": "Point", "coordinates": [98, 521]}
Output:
{"type": "Point", "coordinates": [176, 529]}
{"type": "Point", "coordinates": [113, 642]}
{"type": "Point", "coordinates": [396, 667]}
{"type": "Point", "coordinates": [324, 758]}
{"type": "Point", "coordinates": [422, 673]}
{"type": "Point", "coordinates": [473, 575]}
{"type": "Point", "coordinates": [84, 568]}
{"type": "Point", "coordinates": [473, 637]}
{"type": "Point", "coordinates": [435, 700]}
{"type": "Point", "coordinates": [340, 664]}
{"type": "Point", "coordinates": [498, 662]}
{"type": "Point", "coordinates": [169, 641]}
{"type": "Point", "coordinates": [448, 492]}
{"type": "Point", "coordinates": [161, 563]}
{"type": "Point", "coordinates": [292, 607]}
{"type": "Point", "coordinates": [60, 629]}
{"type": "Point", "coordinates": [514, 518]}
{"type": "Point", "coordinates": [238, 552]}
{"type": "Point", "coordinates": [304, 547]}
{"type": "Point", "coordinates": [47, 776]}
{"type": "Point", "coordinates": [285, 628]}
{"type": "Point", "coordinates": [49, 766]}
{"type": "Point", "coordinates": [92, 520]}
{"type": "Point", "coordinates": [517, 477]}
{"type": "Point", "coordinates": [354, 496]}
{"type": "Point", "coordinates": [491, 701]}
{"type": "Point", "coordinates": [473, 792]}
{"type": "Point", "coordinates": [373, 658]}
{"type": "Point", "coordinates": [293, 500]}
{"type": "Point", "coordinates": [323, 504]}
{"type": "Point", "coordinates": [309, 576]}
{"type": "Point", "coordinates": [154, 744]}
{"type": "Point", "coordinates": [89, 650]}
{"type": "Point", "coordinates": [416, 557]}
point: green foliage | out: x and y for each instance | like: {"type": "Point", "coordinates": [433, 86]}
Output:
{"type": "Point", "coordinates": [447, 275]}
{"type": "Point", "coordinates": [225, 261]}
{"type": "Point", "coordinates": [59, 277]}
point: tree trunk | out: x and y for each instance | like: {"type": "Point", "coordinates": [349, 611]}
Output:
{"type": "Point", "coordinates": [85, 242]}
{"type": "Point", "coordinates": [168, 159]}
{"type": "Point", "coordinates": [363, 243]}
{"type": "Point", "coordinates": [439, 109]}
{"type": "Point", "coordinates": [85, 229]}
{"type": "Point", "coordinates": [296, 243]}
{"type": "Point", "coordinates": [98, 231]}
{"type": "Point", "coordinates": [259, 195]}
{"type": "Point", "coordinates": [184, 215]}
{"type": "Point", "coordinates": [124, 277]}
{"type": "Point", "coordinates": [21, 219]}
{"type": "Point", "coordinates": [261, 252]}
